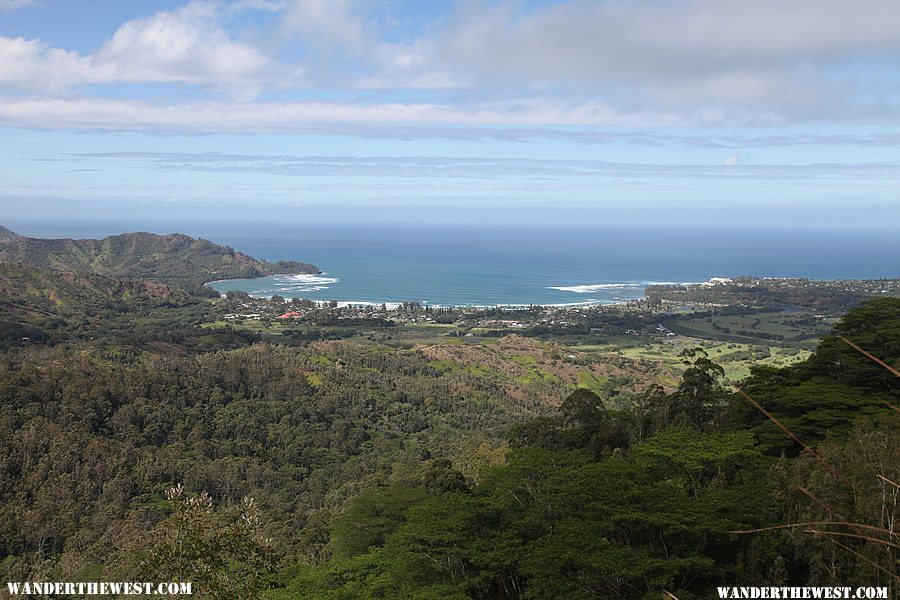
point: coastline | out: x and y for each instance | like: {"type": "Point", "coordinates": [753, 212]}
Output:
{"type": "Point", "coordinates": [318, 282]}
{"type": "Point", "coordinates": [300, 285]}
{"type": "Point", "coordinates": [395, 304]}
{"type": "Point", "coordinates": [313, 288]}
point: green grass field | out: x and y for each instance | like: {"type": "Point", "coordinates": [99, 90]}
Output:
{"type": "Point", "coordinates": [735, 358]}
{"type": "Point", "coordinates": [800, 329]}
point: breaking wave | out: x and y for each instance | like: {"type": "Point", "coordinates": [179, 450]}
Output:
{"type": "Point", "coordinates": [303, 282]}
{"type": "Point", "coordinates": [595, 287]}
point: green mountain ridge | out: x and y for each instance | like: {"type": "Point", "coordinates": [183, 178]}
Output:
{"type": "Point", "coordinates": [39, 304]}
{"type": "Point", "coordinates": [8, 236]}
{"type": "Point", "coordinates": [174, 259]}
{"type": "Point", "coordinates": [33, 292]}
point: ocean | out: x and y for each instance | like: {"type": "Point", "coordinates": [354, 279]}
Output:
{"type": "Point", "coordinates": [496, 264]}
{"type": "Point", "coordinates": [513, 266]}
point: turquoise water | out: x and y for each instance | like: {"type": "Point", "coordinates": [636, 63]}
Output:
{"type": "Point", "coordinates": [493, 265]}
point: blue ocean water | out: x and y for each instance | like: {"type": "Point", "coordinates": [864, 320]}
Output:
{"type": "Point", "coordinates": [494, 265]}
{"type": "Point", "coordinates": [500, 264]}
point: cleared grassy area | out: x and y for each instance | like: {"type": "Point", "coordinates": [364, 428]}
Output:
{"type": "Point", "coordinates": [588, 380]}
{"type": "Point", "coordinates": [734, 357]}
{"type": "Point", "coordinates": [792, 328]}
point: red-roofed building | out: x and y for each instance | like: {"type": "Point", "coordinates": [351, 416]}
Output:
{"type": "Point", "coordinates": [289, 315]}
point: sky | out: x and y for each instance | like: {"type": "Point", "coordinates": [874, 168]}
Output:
{"type": "Point", "coordinates": [716, 113]}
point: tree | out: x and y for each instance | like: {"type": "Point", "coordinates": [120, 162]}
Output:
{"type": "Point", "coordinates": [583, 409]}
{"type": "Point", "coordinates": [650, 412]}
{"type": "Point", "coordinates": [224, 557]}
{"type": "Point", "coordinates": [700, 390]}
{"type": "Point", "coordinates": [371, 517]}
{"type": "Point", "coordinates": [591, 425]}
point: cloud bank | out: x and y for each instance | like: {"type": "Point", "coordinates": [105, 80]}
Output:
{"type": "Point", "coordinates": [580, 64]}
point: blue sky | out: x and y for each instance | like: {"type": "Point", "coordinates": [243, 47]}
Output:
{"type": "Point", "coordinates": [664, 112]}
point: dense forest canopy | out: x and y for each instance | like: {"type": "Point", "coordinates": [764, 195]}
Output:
{"type": "Point", "coordinates": [377, 472]}
{"type": "Point", "coordinates": [594, 503]}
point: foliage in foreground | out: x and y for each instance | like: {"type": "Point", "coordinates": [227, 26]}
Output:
{"type": "Point", "coordinates": [224, 556]}
{"type": "Point", "coordinates": [599, 504]}
{"type": "Point", "coordinates": [592, 503]}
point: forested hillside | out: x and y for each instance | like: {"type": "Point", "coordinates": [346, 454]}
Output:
{"type": "Point", "coordinates": [596, 503]}
{"type": "Point", "coordinates": [41, 306]}
{"type": "Point", "coordinates": [37, 292]}
{"type": "Point", "coordinates": [173, 259]}
{"type": "Point", "coordinates": [38, 306]}
{"type": "Point", "coordinates": [93, 437]}
{"type": "Point", "coordinates": [443, 472]}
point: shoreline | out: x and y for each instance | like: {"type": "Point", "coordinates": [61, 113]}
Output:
{"type": "Point", "coordinates": [316, 282]}
{"type": "Point", "coordinates": [394, 305]}
{"type": "Point", "coordinates": [321, 281]}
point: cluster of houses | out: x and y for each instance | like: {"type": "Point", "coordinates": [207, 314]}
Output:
{"type": "Point", "coordinates": [511, 317]}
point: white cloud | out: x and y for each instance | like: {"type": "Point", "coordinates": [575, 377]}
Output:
{"type": "Point", "coordinates": [239, 6]}
{"type": "Point", "coordinates": [731, 160]}
{"type": "Point", "coordinates": [8, 5]}
{"type": "Point", "coordinates": [514, 119]}
{"type": "Point", "coordinates": [575, 62]}
{"type": "Point", "coordinates": [778, 60]}
{"type": "Point", "coordinates": [553, 171]}
{"type": "Point", "coordinates": [187, 45]}
{"type": "Point", "coordinates": [594, 42]}
{"type": "Point", "coordinates": [329, 117]}
{"type": "Point", "coordinates": [328, 24]}
{"type": "Point", "coordinates": [30, 64]}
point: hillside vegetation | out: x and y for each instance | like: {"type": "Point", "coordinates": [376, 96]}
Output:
{"type": "Point", "coordinates": [174, 259]}
{"type": "Point", "coordinates": [37, 291]}
{"type": "Point", "coordinates": [645, 503]}
{"type": "Point", "coordinates": [441, 471]}
{"type": "Point", "coordinates": [41, 306]}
